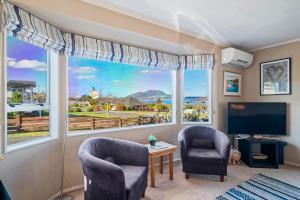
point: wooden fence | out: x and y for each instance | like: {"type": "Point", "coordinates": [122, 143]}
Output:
{"type": "Point", "coordinates": [28, 124]}
{"type": "Point", "coordinates": [36, 124]}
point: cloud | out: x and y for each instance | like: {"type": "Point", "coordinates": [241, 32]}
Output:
{"type": "Point", "coordinates": [117, 81]}
{"type": "Point", "coordinates": [120, 82]}
{"type": "Point", "coordinates": [153, 71]}
{"type": "Point", "coordinates": [84, 70]}
{"type": "Point", "coordinates": [26, 64]}
{"type": "Point", "coordinates": [85, 77]}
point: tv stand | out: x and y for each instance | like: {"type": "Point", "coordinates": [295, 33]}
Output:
{"type": "Point", "coordinates": [267, 155]}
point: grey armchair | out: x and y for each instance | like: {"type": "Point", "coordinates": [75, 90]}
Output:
{"type": "Point", "coordinates": [204, 150]}
{"type": "Point", "coordinates": [114, 169]}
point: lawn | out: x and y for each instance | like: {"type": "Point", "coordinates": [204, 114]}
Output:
{"type": "Point", "coordinates": [113, 114]}
{"type": "Point", "coordinates": [14, 138]}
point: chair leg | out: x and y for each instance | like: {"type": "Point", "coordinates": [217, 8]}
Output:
{"type": "Point", "coordinates": [187, 175]}
{"type": "Point", "coordinates": [221, 178]}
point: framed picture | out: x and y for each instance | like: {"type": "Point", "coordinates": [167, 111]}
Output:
{"type": "Point", "coordinates": [232, 84]}
{"type": "Point", "coordinates": [275, 77]}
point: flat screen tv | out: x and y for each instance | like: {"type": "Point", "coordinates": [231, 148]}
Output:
{"type": "Point", "coordinates": [257, 118]}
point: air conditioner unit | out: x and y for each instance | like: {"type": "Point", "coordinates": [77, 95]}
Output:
{"type": "Point", "coordinates": [237, 58]}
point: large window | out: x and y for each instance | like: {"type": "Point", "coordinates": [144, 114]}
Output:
{"type": "Point", "coordinates": [27, 89]}
{"type": "Point", "coordinates": [196, 96]}
{"type": "Point", "coordinates": [105, 95]}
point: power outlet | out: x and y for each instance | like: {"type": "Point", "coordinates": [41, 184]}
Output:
{"type": "Point", "coordinates": [1, 157]}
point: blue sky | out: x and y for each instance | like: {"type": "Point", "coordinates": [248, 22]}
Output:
{"type": "Point", "coordinates": [26, 62]}
{"type": "Point", "coordinates": [195, 83]}
{"type": "Point", "coordinates": [114, 78]}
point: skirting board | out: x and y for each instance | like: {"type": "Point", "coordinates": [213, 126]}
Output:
{"type": "Point", "coordinates": [71, 189]}
{"type": "Point", "coordinates": [292, 163]}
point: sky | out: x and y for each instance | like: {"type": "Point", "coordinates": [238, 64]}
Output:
{"type": "Point", "coordinates": [117, 79]}
{"type": "Point", "coordinates": [121, 80]}
{"type": "Point", "coordinates": [196, 83]}
{"type": "Point", "coordinates": [26, 62]}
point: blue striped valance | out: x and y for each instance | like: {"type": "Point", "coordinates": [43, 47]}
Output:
{"type": "Point", "coordinates": [203, 61]}
{"type": "Point", "coordinates": [81, 46]}
{"type": "Point", "coordinates": [29, 28]}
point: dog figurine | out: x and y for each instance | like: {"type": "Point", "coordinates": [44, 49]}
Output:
{"type": "Point", "coordinates": [235, 157]}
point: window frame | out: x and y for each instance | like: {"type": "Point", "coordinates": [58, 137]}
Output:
{"type": "Point", "coordinates": [210, 100]}
{"type": "Point", "coordinates": [111, 130]}
{"type": "Point", "coordinates": [52, 69]}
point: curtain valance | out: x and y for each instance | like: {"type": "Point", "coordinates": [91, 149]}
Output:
{"type": "Point", "coordinates": [32, 29]}
{"type": "Point", "coordinates": [203, 61]}
{"type": "Point", "coordinates": [29, 28]}
{"type": "Point", "coordinates": [77, 45]}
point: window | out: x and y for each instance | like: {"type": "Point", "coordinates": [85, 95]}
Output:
{"type": "Point", "coordinates": [196, 96]}
{"type": "Point", "coordinates": [27, 92]}
{"type": "Point", "coordinates": [105, 95]}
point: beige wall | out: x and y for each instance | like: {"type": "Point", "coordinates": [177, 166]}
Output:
{"type": "Point", "coordinates": [33, 173]}
{"type": "Point", "coordinates": [252, 90]}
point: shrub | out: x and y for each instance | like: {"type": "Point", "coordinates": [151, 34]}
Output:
{"type": "Point", "coordinates": [77, 109]}
{"type": "Point", "coordinates": [188, 107]}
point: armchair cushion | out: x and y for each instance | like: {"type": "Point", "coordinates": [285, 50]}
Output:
{"type": "Point", "coordinates": [203, 143]}
{"type": "Point", "coordinates": [204, 156]}
{"type": "Point", "coordinates": [133, 178]}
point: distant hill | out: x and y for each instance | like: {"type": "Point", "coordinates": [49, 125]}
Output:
{"type": "Point", "coordinates": [150, 94]}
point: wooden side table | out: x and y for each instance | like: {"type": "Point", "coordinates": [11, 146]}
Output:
{"type": "Point", "coordinates": [168, 149]}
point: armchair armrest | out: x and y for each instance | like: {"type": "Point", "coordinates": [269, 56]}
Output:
{"type": "Point", "coordinates": [222, 145]}
{"type": "Point", "coordinates": [103, 179]}
{"type": "Point", "coordinates": [183, 144]}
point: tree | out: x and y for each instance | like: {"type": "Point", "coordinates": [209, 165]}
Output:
{"type": "Point", "coordinates": [158, 101]}
{"type": "Point", "coordinates": [16, 98]}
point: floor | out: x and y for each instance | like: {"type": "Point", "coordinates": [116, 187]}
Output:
{"type": "Point", "coordinates": [206, 187]}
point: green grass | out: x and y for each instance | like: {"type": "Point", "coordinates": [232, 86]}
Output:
{"type": "Point", "coordinates": [28, 134]}
{"type": "Point", "coordinates": [91, 114]}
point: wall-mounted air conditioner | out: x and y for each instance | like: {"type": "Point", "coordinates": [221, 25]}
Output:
{"type": "Point", "coordinates": [237, 58]}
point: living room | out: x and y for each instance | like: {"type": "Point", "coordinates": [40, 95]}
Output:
{"type": "Point", "coordinates": [78, 73]}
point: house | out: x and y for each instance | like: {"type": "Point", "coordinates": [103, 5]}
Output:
{"type": "Point", "coordinates": [175, 99]}
{"type": "Point", "coordinates": [24, 87]}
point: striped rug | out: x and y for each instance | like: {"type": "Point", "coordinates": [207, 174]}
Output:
{"type": "Point", "coordinates": [262, 187]}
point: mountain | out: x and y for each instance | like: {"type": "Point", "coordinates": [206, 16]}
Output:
{"type": "Point", "coordinates": [150, 94]}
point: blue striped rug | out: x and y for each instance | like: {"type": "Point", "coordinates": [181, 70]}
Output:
{"type": "Point", "coordinates": [262, 187]}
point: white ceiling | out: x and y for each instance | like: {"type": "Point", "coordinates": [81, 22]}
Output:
{"type": "Point", "coordinates": [247, 24]}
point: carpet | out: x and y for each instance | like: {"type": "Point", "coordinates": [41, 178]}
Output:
{"type": "Point", "coordinates": [262, 187]}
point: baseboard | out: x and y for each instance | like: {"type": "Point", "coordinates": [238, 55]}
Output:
{"type": "Point", "coordinates": [67, 190]}
{"type": "Point", "coordinates": [292, 163]}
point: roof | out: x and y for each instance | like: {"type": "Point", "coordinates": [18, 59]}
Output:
{"type": "Point", "coordinates": [20, 84]}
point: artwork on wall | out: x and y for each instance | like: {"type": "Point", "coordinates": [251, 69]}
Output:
{"type": "Point", "coordinates": [232, 84]}
{"type": "Point", "coordinates": [275, 77]}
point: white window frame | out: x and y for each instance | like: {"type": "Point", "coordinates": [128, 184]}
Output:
{"type": "Point", "coordinates": [51, 103]}
{"type": "Point", "coordinates": [209, 100]}
{"type": "Point", "coordinates": [108, 130]}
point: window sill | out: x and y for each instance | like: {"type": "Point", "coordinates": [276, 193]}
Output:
{"type": "Point", "coordinates": [99, 131]}
{"type": "Point", "coordinates": [196, 123]}
{"type": "Point", "coordinates": [23, 145]}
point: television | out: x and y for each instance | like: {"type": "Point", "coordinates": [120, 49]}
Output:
{"type": "Point", "coordinates": [256, 118]}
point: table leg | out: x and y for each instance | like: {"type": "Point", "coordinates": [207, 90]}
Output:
{"type": "Point", "coordinates": [152, 172]}
{"type": "Point", "coordinates": [171, 166]}
{"type": "Point", "coordinates": [161, 167]}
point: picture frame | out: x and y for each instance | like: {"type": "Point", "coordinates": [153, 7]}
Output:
{"type": "Point", "coordinates": [275, 77]}
{"type": "Point", "coordinates": [232, 84]}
